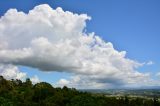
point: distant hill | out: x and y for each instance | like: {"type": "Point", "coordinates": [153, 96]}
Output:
{"type": "Point", "coordinates": [126, 92]}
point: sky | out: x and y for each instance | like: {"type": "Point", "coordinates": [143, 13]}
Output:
{"type": "Point", "coordinates": [83, 43]}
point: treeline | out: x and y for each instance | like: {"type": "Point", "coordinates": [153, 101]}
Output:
{"type": "Point", "coordinates": [18, 93]}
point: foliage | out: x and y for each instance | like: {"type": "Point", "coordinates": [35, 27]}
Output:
{"type": "Point", "coordinates": [18, 93]}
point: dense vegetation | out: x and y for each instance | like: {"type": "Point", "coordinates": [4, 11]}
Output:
{"type": "Point", "coordinates": [18, 93]}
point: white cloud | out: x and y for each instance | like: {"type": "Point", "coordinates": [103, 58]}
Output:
{"type": "Point", "coordinates": [80, 82]}
{"type": "Point", "coordinates": [62, 82]}
{"type": "Point", "coordinates": [35, 79]}
{"type": "Point", "coordinates": [54, 40]}
{"type": "Point", "coordinates": [90, 82]}
{"type": "Point", "coordinates": [150, 63]}
{"type": "Point", "coordinates": [11, 72]}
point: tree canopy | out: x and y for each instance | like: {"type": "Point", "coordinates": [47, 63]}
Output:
{"type": "Point", "coordinates": [17, 93]}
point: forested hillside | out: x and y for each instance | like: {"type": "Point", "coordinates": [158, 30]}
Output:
{"type": "Point", "coordinates": [18, 93]}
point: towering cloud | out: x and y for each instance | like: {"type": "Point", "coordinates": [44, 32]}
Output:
{"type": "Point", "coordinates": [55, 40]}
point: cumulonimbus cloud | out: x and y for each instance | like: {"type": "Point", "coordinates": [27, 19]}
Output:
{"type": "Point", "coordinates": [54, 40]}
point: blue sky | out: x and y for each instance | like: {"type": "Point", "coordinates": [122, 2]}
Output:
{"type": "Point", "coordinates": [130, 25]}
